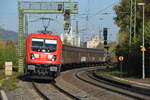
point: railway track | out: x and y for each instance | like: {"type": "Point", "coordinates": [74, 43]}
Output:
{"type": "Point", "coordinates": [65, 92]}
{"type": "Point", "coordinates": [87, 76]}
{"type": "Point", "coordinates": [53, 92]}
{"type": "Point", "coordinates": [84, 90]}
{"type": "Point", "coordinates": [40, 93]}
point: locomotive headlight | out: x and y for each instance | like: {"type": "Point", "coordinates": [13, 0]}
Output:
{"type": "Point", "coordinates": [36, 55]}
{"type": "Point", "coordinates": [52, 57]}
{"type": "Point", "coordinates": [33, 56]}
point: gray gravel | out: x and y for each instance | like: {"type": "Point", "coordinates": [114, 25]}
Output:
{"type": "Point", "coordinates": [27, 92]}
{"type": "Point", "coordinates": [24, 92]}
{"type": "Point", "coordinates": [85, 90]}
{"type": "Point", "coordinates": [51, 92]}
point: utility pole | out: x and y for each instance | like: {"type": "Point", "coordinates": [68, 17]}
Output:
{"type": "Point", "coordinates": [26, 25]}
{"type": "Point", "coordinates": [131, 14]}
{"type": "Point", "coordinates": [132, 21]}
{"type": "Point", "coordinates": [143, 43]}
{"type": "Point", "coordinates": [77, 27]}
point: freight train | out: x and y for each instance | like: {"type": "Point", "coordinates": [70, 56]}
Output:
{"type": "Point", "coordinates": [46, 57]}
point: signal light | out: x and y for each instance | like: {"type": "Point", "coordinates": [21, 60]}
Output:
{"type": "Point", "coordinates": [75, 6]}
{"type": "Point", "coordinates": [66, 19]}
{"type": "Point", "coordinates": [105, 34]}
{"type": "Point", "coordinates": [59, 7]}
{"type": "Point", "coordinates": [67, 11]}
{"type": "Point", "coordinates": [105, 42]}
{"type": "Point", "coordinates": [66, 25]}
{"type": "Point", "coordinates": [67, 14]}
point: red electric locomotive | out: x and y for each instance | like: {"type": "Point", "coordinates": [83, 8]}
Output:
{"type": "Point", "coordinates": [43, 56]}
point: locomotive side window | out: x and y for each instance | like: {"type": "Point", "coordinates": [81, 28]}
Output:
{"type": "Point", "coordinates": [44, 45]}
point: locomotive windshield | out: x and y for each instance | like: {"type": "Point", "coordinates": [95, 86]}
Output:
{"type": "Point", "coordinates": [37, 42]}
{"type": "Point", "coordinates": [44, 45]}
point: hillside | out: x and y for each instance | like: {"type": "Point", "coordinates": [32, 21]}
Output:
{"type": "Point", "coordinates": [8, 35]}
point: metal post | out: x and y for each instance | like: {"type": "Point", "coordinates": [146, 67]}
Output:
{"type": "Point", "coordinates": [21, 41]}
{"type": "Point", "coordinates": [135, 20]}
{"type": "Point", "coordinates": [143, 52]}
{"type": "Point", "coordinates": [26, 26]}
{"type": "Point", "coordinates": [143, 46]}
{"type": "Point", "coordinates": [131, 14]}
{"type": "Point", "coordinates": [77, 27]}
{"type": "Point", "coordinates": [121, 68]}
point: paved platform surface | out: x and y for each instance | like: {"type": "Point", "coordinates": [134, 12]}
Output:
{"type": "Point", "coordinates": [135, 81]}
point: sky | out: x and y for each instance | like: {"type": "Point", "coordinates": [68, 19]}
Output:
{"type": "Point", "coordinates": [95, 10]}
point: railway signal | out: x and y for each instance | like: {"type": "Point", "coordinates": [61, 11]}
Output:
{"type": "Point", "coordinates": [105, 42]}
{"type": "Point", "coordinates": [105, 33]}
{"type": "Point", "coordinates": [143, 49]}
{"type": "Point", "coordinates": [66, 19]}
{"type": "Point", "coordinates": [105, 36]}
{"type": "Point", "coordinates": [121, 59]}
{"type": "Point", "coordinates": [60, 7]}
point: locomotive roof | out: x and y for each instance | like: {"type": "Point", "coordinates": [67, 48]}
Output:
{"type": "Point", "coordinates": [38, 35]}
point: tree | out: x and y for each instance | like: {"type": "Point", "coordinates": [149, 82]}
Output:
{"type": "Point", "coordinates": [100, 45]}
{"type": "Point", "coordinates": [8, 52]}
{"type": "Point", "coordinates": [132, 53]}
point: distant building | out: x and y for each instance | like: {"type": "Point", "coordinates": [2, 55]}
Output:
{"type": "Point", "coordinates": [72, 38]}
{"type": "Point", "coordinates": [93, 43]}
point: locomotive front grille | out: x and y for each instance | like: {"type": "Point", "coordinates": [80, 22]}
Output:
{"type": "Point", "coordinates": [42, 69]}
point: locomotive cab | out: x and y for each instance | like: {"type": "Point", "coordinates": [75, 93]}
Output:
{"type": "Point", "coordinates": [43, 53]}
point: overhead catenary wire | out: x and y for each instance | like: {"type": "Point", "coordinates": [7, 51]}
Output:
{"type": "Point", "coordinates": [104, 9]}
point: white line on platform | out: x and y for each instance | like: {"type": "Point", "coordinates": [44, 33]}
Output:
{"type": "Point", "coordinates": [3, 95]}
{"type": "Point", "coordinates": [143, 84]}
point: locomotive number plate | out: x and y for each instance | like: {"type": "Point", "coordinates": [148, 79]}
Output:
{"type": "Point", "coordinates": [31, 67]}
{"type": "Point", "coordinates": [53, 69]}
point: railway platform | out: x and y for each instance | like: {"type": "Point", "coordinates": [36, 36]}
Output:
{"type": "Point", "coordinates": [136, 83]}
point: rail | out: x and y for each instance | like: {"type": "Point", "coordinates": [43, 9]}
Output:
{"type": "Point", "coordinates": [42, 95]}
{"type": "Point", "coordinates": [96, 82]}
{"type": "Point", "coordinates": [65, 92]}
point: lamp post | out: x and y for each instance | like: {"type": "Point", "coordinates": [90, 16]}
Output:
{"type": "Point", "coordinates": [143, 52]}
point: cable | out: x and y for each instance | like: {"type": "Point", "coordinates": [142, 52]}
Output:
{"type": "Point", "coordinates": [99, 12]}
{"type": "Point", "coordinates": [105, 8]}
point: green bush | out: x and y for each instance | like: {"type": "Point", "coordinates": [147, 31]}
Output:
{"type": "Point", "coordinates": [8, 52]}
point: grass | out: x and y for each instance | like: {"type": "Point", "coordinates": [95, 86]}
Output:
{"type": "Point", "coordinates": [109, 71]}
{"type": "Point", "coordinates": [8, 83]}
